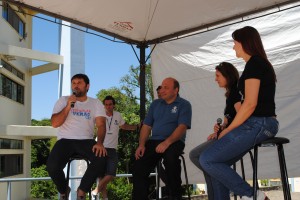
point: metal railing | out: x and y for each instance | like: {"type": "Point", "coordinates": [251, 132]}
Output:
{"type": "Point", "coordinates": [10, 180]}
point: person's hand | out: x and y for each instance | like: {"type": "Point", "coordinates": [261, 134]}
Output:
{"type": "Point", "coordinates": [217, 127]}
{"type": "Point", "coordinates": [223, 133]}
{"type": "Point", "coordinates": [99, 150]}
{"type": "Point", "coordinates": [212, 136]}
{"type": "Point", "coordinates": [139, 152]}
{"type": "Point", "coordinates": [71, 100]}
{"type": "Point", "coordinates": [161, 148]}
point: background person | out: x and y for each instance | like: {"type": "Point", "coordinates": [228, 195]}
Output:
{"type": "Point", "coordinates": [158, 91]}
{"type": "Point", "coordinates": [114, 122]}
{"type": "Point", "coordinates": [254, 122]}
{"type": "Point", "coordinates": [227, 77]}
{"type": "Point", "coordinates": [75, 137]}
{"type": "Point", "coordinates": [168, 118]}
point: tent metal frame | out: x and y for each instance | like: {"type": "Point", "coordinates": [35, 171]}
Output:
{"type": "Point", "coordinates": [142, 45]}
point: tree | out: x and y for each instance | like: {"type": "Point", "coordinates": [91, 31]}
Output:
{"type": "Point", "coordinates": [130, 84]}
{"type": "Point", "coordinates": [40, 149]}
{"type": "Point", "coordinates": [42, 189]}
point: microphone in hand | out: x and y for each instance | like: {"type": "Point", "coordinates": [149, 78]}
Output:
{"type": "Point", "coordinates": [73, 103]}
{"type": "Point", "coordinates": [219, 122]}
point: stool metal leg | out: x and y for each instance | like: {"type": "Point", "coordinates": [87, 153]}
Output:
{"type": "Point", "coordinates": [234, 167]}
{"type": "Point", "coordinates": [243, 170]}
{"type": "Point", "coordinates": [186, 177]}
{"type": "Point", "coordinates": [68, 174]}
{"type": "Point", "coordinates": [283, 171]}
{"type": "Point", "coordinates": [255, 185]}
{"type": "Point", "coordinates": [157, 180]}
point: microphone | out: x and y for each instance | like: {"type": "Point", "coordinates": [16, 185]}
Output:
{"type": "Point", "coordinates": [73, 103]}
{"type": "Point", "coordinates": [219, 122]}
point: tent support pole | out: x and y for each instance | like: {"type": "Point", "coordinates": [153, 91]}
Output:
{"type": "Point", "coordinates": [142, 80]}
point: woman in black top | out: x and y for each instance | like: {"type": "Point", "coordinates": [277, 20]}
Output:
{"type": "Point", "coordinates": [227, 77]}
{"type": "Point", "coordinates": [254, 122]}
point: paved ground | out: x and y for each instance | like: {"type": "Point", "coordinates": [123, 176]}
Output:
{"type": "Point", "coordinates": [272, 194]}
{"type": "Point", "coordinates": [278, 195]}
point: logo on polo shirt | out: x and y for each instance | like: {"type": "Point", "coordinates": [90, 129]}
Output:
{"type": "Point", "coordinates": [174, 109]}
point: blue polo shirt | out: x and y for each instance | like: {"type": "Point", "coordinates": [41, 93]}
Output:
{"type": "Point", "coordinates": [164, 118]}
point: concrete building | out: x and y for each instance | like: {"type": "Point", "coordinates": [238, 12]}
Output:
{"type": "Point", "coordinates": [16, 73]}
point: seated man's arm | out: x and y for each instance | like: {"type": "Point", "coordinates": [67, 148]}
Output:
{"type": "Point", "coordinates": [144, 135]}
{"type": "Point", "coordinates": [129, 127]}
{"type": "Point", "coordinates": [175, 136]}
{"type": "Point", "coordinates": [57, 119]}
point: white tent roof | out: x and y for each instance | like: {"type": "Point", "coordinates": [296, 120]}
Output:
{"type": "Point", "coordinates": [149, 21]}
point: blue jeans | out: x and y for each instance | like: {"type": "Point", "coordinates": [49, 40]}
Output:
{"type": "Point", "coordinates": [194, 157]}
{"type": "Point", "coordinates": [217, 158]}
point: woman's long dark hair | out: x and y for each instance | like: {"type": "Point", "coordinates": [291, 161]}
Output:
{"type": "Point", "coordinates": [231, 75]}
{"type": "Point", "coordinates": [251, 43]}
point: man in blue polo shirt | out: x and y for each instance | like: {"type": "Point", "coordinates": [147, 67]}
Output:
{"type": "Point", "coordinates": [169, 117]}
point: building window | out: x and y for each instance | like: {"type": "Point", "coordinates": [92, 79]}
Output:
{"type": "Point", "coordinates": [13, 19]}
{"type": "Point", "coordinates": [12, 69]}
{"type": "Point", "coordinates": [11, 89]}
{"type": "Point", "coordinates": [11, 164]}
{"type": "Point", "coordinates": [10, 144]}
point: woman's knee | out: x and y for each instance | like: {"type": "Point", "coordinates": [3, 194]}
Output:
{"type": "Point", "coordinates": [203, 161]}
{"type": "Point", "coordinates": [193, 154]}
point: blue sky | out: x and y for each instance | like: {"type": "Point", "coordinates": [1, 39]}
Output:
{"type": "Point", "coordinates": [106, 62]}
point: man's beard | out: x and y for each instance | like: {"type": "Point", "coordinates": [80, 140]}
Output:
{"type": "Point", "coordinates": [80, 93]}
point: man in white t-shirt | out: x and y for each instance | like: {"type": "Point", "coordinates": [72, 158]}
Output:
{"type": "Point", "coordinates": [114, 122]}
{"type": "Point", "coordinates": [75, 116]}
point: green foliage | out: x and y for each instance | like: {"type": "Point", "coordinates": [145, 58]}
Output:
{"type": "Point", "coordinates": [42, 189]}
{"type": "Point", "coordinates": [126, 106]}
{"type": "Point", "coordinates": [43, 122]}
{"type": "Point", "coordinates": [39, 152]}
{"type": "Point", "coordinates": [119, 188]}
{"type": "Point", "coordinates": [40, 147]}
{"type": "Point", "coordinates": [131, 84]}
{"type": "Point", "coordinates": [264, 182]}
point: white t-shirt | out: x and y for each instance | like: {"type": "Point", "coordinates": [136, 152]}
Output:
{"type": "Point", "coordinates": [113, 124]}
{"type": "Point", "coordinates": [80, 121]}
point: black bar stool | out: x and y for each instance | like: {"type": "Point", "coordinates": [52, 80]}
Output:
{"type": "Point", "coordinates": [76, 157]}
{"type": "Point", "coordinates": [242, 169]}
{"type": "Point", "coordinates": [276, 141]}
{"type": "Point", "coordinates": [158, 167]}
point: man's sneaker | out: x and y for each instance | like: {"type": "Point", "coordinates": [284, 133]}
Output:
{"type": "Point", "coordinates": [260, 196]}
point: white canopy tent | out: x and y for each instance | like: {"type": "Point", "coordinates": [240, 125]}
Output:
{"type": "Point", "coordinates": [191, 60]}
{"type": "Point", "coordinates": [151, 22]}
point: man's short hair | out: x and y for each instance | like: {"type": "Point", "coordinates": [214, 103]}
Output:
{"type": "Point", "coordinates": [81, 76]}
{"type": "Point", "coordinates": [176, 84]}
{"type": "Point", "coordinates": [109, 98]}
